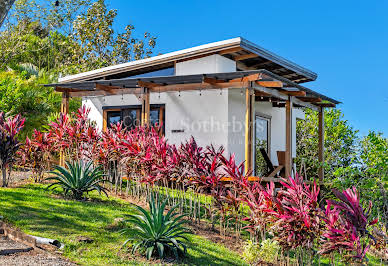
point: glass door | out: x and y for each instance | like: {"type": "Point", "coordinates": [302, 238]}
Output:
{"type": "Point", "coordinates": [262, 126]}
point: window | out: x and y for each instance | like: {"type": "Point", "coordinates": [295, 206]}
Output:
{"type": "Point", "coordinates": [131, 116]}
{"type": "Point", "coordinates": [262, 139]}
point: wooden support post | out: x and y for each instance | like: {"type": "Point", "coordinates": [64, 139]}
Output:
{"type": "Point", "coordinates": [65, 102]}
{"type": "Point", "coordinates": [321, 141]}
{"type": "Point", "coordinates": [64, 110]}
{"type": "Point", "coordinates": [145, 115]}
{"type": "Point", "coordinates": [249, 98]}
{"type": "Point", "coordinates": [288, 155]}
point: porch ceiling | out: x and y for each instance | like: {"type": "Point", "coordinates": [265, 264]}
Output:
{"type": "Point", "coordinates": [266, 84]}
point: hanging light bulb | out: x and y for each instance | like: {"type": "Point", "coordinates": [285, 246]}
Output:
{"type": "Point", "coordinates": [221, 91]}
{"type": "Point", "coordinates": [262, 97]}
{"type": "Point", "coordinates": [122, 97]}
{"type": "Point", "coordinates": [270, 99]}
{"type": "Point", "coordinates": [200, 92]}
{"type": "Point", "coordinates": [179, 94]}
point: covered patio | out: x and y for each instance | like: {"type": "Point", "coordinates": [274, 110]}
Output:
{"type": "Point", "coordinates": [257, 85]}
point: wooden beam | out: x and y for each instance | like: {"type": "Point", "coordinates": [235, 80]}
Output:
{"type": "Point", "coordinates": [135, 91]}
{"type": "Point", "coordinates": [248, 128]}
{"type": "Point", "coordinates": [65, 103]}
{"type": "Point", "coordinates": [252, 77]}
{"type": "Point", "coordinates": [293, 93]}
{"type": "Point", "coordinates": [108, 88]}
{"type": "Point", "coordinates": [213, 80]}
{"type": "Point", "coordinates": [270, 84]}
{"type": "Point", "coordinates": [325, 104]}
{"type": "Point", "coordinates": [306, 104]}
{"type": "Point", "coordinates": [230, 50]}
{"type": "Point", "coordinates": [245, 56]}
{"type": "Point", "coordinates": [65, 111]}
{"type": "Point", "coordinates": [310, 99]}
{"type": "Point", "coordinates": [145, 84]}
{"type": "Point", "coordinates": [288, 157]}
{"type": "Point", "coordinates": [321, 141]}
{"type": "Point", "coordinates": [146, 107]}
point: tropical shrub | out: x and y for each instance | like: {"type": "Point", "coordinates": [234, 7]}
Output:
{"type": "Point", "coordinates": [156, 232]}
{"type": "Point", "coordinates": [267, 251]}
{"type": "Point", "coordinates": [298, 214]}
{"type": "Point", "coordinates": [78, 178]}
{"type": "Point", "coordinates": [9, 144]}
{"type": "Point", "coordinates": [36, 153]}
{"type": "Point", "coordinates": [347, 225]}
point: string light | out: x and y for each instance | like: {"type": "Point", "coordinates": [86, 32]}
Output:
{"type": "Point", "coordinates": [221, 91]}
{"type": "Point", "coordinates": [179, 94]}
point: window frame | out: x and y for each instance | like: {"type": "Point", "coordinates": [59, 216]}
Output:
{"type": "Point", "coordinates": [138, 108]}
{"type": "Point", "coordinates": [268, 118]}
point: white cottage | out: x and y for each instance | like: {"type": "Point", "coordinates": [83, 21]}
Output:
{"type": "Point", "coordinates": [231, 93]}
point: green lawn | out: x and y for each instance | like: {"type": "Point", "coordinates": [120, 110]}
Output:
{"type": "Point", "coordinates": [43, 213]}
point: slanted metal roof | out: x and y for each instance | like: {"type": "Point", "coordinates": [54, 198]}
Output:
{"type": "Point", "coordinates": [196, 80]}
{"type": "Point", "coordinates": [248, 56]}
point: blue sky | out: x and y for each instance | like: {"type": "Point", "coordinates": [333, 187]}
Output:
{"type": "Point", "coordinates": [344, 42]}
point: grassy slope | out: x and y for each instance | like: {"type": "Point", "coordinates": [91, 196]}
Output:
{"type": "Point", "coordinates": [39, 212]}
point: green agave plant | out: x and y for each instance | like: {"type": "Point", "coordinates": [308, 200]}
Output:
{"type": "Point", "coordinates": [78, 178]}
{"type": "Point", "coordinates": [155, 232]}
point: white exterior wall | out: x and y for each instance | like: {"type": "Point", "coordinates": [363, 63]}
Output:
{"type": "Point", "coordinates": [214, 117]}
{"type": "Point", "coordinates": [203, 115]}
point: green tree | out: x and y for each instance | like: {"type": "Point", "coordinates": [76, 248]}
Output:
{"type": "Point", "coordinates": [340, 143]}
{"type": "Point", "coordinates": [21, 92]}
{"type": "Point", "coordinates": [73, 36]}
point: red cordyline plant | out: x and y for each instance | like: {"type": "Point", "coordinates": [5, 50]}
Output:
{"type": "Point", "coordinates": [347, 224]}
{"type": "Point", "coordinates": [297, 214]}
{"type": "Point", "coordinates": [37, 153]}
{"type": "Point", "coordinates": [75, 135]}
{"type": "Point", "coordinates": [9, 143]}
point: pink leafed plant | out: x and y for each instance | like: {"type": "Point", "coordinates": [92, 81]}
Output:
{"type": "Point", "coordinates": [347, 224]}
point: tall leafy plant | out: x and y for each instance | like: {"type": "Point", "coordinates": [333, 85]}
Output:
{"type": "Point", "coordinates": [9, 144]}
{"type": "Point", "coordinates": [78, 178]}
{"type": "Point", "coordinates": [347, 223]}
{"type": "Point", "coordinates": [157, 232]}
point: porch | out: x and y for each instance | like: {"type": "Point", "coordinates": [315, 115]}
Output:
{"type": "Point", "coordinates": [256, 85]}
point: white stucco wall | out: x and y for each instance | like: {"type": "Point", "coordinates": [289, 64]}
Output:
{"type": "Point", "coordinates": [214, 117]}
{"type": "Point", "coordinates": [203, 115]}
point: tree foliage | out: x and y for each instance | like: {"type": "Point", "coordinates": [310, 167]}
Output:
{"type": "Point", "coordinates": [71, 37]}
{"type": "Point", "coordinates": [21, 93]}
{"type": "Point", "coordinates": [340, 142]}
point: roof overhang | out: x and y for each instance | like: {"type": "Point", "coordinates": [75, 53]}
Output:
{"type": "Point", "coordinates": [247, 55]}
{"type": "Point", "coordinates": [266, 85]}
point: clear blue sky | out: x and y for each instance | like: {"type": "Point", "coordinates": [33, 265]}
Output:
{"type": "Point", "coordinates": [344, 42]}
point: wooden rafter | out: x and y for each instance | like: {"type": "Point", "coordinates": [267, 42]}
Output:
{"type": "Point", "coordinates": [145, 84]}
{"type": "Point", "coordinates": [213, 80]}
{"type": "Point", "coordinates": [270, 84]}
{"type": "Point", "coordinates": [310, 99]}
{"type": "Point", "coordinates": [245, 56]}
{"type": "Point", "coordinates": [253, 77]}
{"type": "Point", "coordinates": [293, 93]}
{"type": "Point", "coordinates": [230, 50]}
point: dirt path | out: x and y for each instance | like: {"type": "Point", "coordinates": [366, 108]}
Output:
{"type": "Point", "coordinates": [15, 253]}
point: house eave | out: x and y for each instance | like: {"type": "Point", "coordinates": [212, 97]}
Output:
{"type": "Point", "coordinates": [202, 50]}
